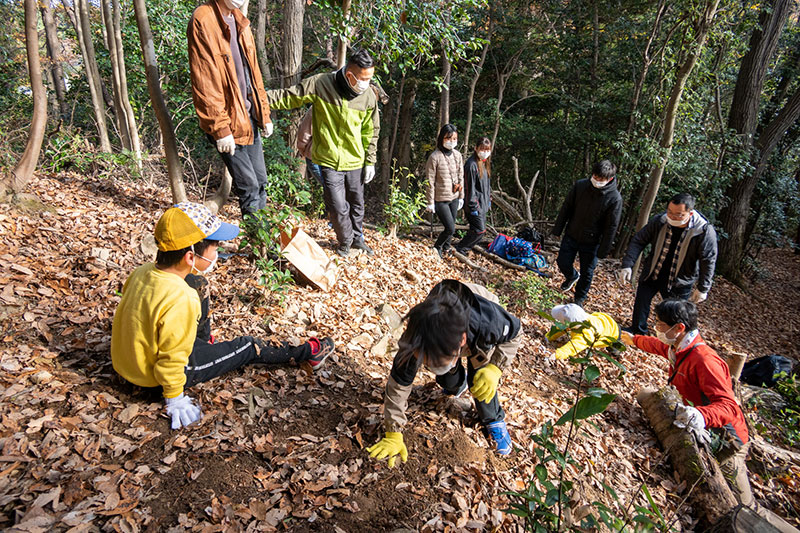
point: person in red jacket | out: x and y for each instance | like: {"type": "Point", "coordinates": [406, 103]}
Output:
{"type": "Point", "coordinates": [704, 381]}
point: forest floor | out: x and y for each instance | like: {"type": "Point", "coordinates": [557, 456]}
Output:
{"type": "Point", "coordinates": [282, 448]}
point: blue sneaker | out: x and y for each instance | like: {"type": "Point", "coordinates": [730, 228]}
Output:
{"type": "Point", "coordinates": [499, 434]}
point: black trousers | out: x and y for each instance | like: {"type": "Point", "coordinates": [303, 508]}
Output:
{"type": "Point", "coordinates": [645, 293]}
{"type": "Point", "coordinates": [248, 173]}
{"type": "Point", "coordinates": [208, 361]}
{"type": "Point", "coordinates": [588, 259]}
{"type": "Point", "coordinates": [446, 211]}
{"type": "Point", "coordinates": [344, 199]}
{"type": "Point", "coordinates": [454, 380]}
{"type": "Point", "coordinates": [477, 227]}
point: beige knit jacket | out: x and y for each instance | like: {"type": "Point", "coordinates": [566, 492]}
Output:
{"type": "Point", "coordinates": [445, 176]}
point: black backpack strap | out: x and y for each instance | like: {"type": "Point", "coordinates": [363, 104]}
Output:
{"type": "Point", "coordinates": [679, 363]}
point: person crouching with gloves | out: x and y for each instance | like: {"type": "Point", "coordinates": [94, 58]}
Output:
{"type": "Point", "coordinates": [704, 381]}
{"type": "Point", "coordinates": [603, 333]}
{"type": "Point", "coordinates": [161, 334]}
{"type": "Point", "coordinates": [455, 319]}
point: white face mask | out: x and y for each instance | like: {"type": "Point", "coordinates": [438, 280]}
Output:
{"type": "Point", "coordinates": [599, 184]}
{"type": "Point", "coordinates": [234, 4]}
{"type": "Point", "coordinates": [662, 336]}
{"type": "Point", "coordinates": [360, 85]}
{"type": "Point", "coordinates": [442, 370]}
{"type": "Point", "coordinates": [678, 223]}
{"type": "Point", "coordinates": [450, 144]}
{"type": "Point", "coordinates": [211, 263]}
{"type": "Point", "coordinates": [484, 155]}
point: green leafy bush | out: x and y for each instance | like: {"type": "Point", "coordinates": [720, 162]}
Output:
{"type": "Point", "coordinates": [262, 231]}
{"type": "Point", "coordinates": [537, 294]}
{"type": "Point", "coordinates": [402, 208]}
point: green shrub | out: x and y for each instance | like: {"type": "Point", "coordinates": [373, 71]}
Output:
{"type": "Point", "coordinates": [403, 207]}
{"type": "Point", "coordinates": [537, 294]}
{"type": "Point", "coordinates": [261, 236]}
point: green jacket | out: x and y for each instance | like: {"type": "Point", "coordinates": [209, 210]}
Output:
{"type": "Point", "coordinates": [345, 132]}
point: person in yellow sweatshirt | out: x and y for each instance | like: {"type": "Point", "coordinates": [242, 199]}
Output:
{"type": "Point", "coordinates": [603, 332]}
{"type": "Point", "coordinates": [155, 338]}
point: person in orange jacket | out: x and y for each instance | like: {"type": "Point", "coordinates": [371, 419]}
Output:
{"type": "Point", "coordinates": [704, 381]}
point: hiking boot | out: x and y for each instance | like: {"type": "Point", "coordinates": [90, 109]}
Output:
{"type": "Point", "coordinates": [320, 351]}
{"type": "Point", "coordinates": [568, 284]}
{"type": "Point", "coordinates": [579, 301]}
{"type": "Point", "coordinates": [343, 250]}
{"type": "Point", "coordinates": [361, 245]}
{"type": "Point", "coordinates": [439, 251]}
{"type": "Point", "coordinates": [499, 434]}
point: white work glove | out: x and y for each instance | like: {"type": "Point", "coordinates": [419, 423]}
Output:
{"type": "Point", "coordinates": [183, 411]}
{"type": "Point", "coordinates": [690, 418]}
{"type": "Point", "coordinates": [624, 275]}
{"type": "Point", "coordinates": [369, 173]}
{"type": "Point", "coordinates": [226, 145]}
{"type": "Point", "coordinates": [269, 129]}
{"type": "Point", "coordinates": [460, 204]}
{"type": "Point", "coordinates": [697, 296]}
{"type": "Point", "coordinates": [431, 207]}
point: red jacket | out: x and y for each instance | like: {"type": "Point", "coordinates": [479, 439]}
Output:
{"type": "Point", "coordinates": [704, 379]}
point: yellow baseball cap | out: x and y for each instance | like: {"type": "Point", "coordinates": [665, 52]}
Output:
{"type": "Point", "coordinates": [188, 223]}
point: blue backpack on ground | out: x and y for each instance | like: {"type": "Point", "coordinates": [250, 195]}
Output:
{"type": "Point", "coordinates": [520, 252]}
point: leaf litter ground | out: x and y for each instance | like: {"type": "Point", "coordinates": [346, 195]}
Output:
{"type": "Point", "coordinates": [281, 448]}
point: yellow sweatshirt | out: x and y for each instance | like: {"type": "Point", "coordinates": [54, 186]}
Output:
{"type": "Point", "coordinates": [154, 329]}
{"type": "Point", "coordinates": [602, 323]}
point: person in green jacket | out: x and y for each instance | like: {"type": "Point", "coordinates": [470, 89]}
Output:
{"type": "Point", "coordinates": [345, 127]}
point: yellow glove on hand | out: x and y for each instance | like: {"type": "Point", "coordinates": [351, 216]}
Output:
{"type": "Point", "coordinates": [484, 386]}
{"type": "Point", "coordinates": [389, 446]}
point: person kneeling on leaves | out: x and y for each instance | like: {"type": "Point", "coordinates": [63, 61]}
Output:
{"type": "Point", "coordinates": [603, 333]}
{"type": "Point", "coordinates": [710, 408]}
{"type": "Point", "coordinates": [161, 334]}
{"type": "Point", "coordinates": [455, 319]}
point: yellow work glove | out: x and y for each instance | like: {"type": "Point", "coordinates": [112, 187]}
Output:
{"type": "Point", "coordinates": [389, 446]}
{"type": "Point", "coordinates": [484, 386]}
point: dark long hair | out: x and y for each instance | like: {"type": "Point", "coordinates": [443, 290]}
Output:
{"type": "Point", "coordinates": [435, 329]}
{"type": "Point", "coordinates": [447, 129]}
{"type": "Point", "coordinates": [483, 142]}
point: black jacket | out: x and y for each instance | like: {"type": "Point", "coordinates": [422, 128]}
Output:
{"type": "Point", "coordinates": [696, 258]}
{"type": "Point", "coordinates": [591, 215]}
{"type": "Point", "coordinates": [489, 326]}
{"type": "Point", "coordinates": [477, 189]}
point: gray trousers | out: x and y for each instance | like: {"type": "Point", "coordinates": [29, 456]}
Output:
{"type": "Point", "coordinates": [249, 174]}
{"type": "Point", "coordinates": [344, 199]}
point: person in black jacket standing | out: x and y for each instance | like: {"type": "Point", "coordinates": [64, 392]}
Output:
{"type": "Point", "coordinates": [683, 253]}
{"type": "Point", "coordinates": [477, 193]}
{"type": "Point", "coordinates": [591, 215]}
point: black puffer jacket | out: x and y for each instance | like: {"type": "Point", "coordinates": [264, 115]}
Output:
{"type": "Point", "coordinates": [477, 189]}
{"type": "Point", "coordinates": [591, 215]}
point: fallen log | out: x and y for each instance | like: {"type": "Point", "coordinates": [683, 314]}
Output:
{"type": "Point", "coordinates": [497, 258]}
{"type": "Point", "coordinates": [695, 465]}
{"type": "Point", "coordinates": [467, 261]}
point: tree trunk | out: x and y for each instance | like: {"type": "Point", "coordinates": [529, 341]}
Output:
{"type": "Point", "coordinates": [444, 101]}
{"type": "Point", "coordinates": [743, 118]}
{"type": "Point", "coordinates": [384, 143]}
{"type": "Point", "coordinates": [127, 108]}
{"type": "Point", "coordinates": [341, 50]}
{"type": "Point", "coordinates": [646, 62]}
{"type": "Point", "coordinates": [54, 51]}
{"type": "Point", "coordinates": [92, 72]}
{"type": "Point", "coordinates": [702, 473]}
{"type": "Point", "coordinates": [654, 181]}
{"type": "Point", "coordinates": [111, 45]}
{"type": "Point", "coordinates": [22, 173]}
{"type": "Point", "coordinates": [174, 167]}
{"type": "Point", "coordinates": [474, 83]}
{"type": "Point", "coordinates": [734, 217]}
{"type": "Point", "coordinates": [292, 54]}
{"type": "Point", "coordinates": [261, 38]}
{"type": "Point", "coordinates": [403, 145]}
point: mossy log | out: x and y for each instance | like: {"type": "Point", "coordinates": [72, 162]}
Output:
{"type": "Point", "coordinates": [695, 465]}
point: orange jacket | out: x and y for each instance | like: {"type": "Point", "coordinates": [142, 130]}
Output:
{"type": "Point", "coordinates": [217, 99]}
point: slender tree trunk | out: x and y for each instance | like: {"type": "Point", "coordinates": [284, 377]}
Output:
{"type": "Point", "coordinates": [403, 145]}
{"type": "Point", "coordinates": [111, 44]}
{"type": "Point", "coordinates": [54, 51]}
{"type": "Point", "coordinates": [501, 88]}
{"type": "Point", "coordinates": [654, 181]}
{"type": "Point", "coordinates": [444, 103]}
{"type": "Point", "coordinates": [292, 54]}
{"type": "Point", "coordinates": [127, 108]}
{"type": "Point", "coordinates": [473, 84]}
{"type": "Point", "coordinates": [174, 167]}
{"type": "Point", "coordinates": [92, 72]}
{"type": "Point", "coordinates": [743, 118]}
{"type": "Point", "coordinates": [22, 173]}
{"type": "Point", "coordinates": [341, 50]}
{"type": "Point", "coordinates": [261, 38]}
